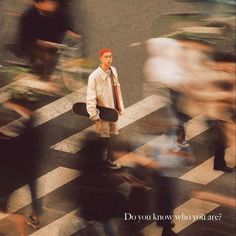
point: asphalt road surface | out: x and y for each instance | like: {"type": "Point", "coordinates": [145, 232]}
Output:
{"type": "Point", "coordinates": [123, 26]}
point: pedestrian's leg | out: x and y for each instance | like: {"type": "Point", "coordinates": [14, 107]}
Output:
{"type": "Point", "coordinates": [108, 228]}
{"type": "Point", "coordinates": [110, 148]}
{"type": "Point", "coordinates": [49, 64]}
{"type": "Point", "coordinates": [181, 118]}
{"type": "Point", "coordinates": [37, 208]}
{"type": "Point", "coordinates": [219, 148]}
{"type": "Point", "coordinates": [163, 199]}
{"type": "Point", "coordinates": [113, 131]}
{"type": "Point", "coordinates": [103, 129]}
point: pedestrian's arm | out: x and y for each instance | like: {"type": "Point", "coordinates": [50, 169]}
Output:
{"type": "Point", "coordinates": [216, 198]}
{"type": "Point", "coordinates": [73, 34]}
{"type": "Point", "coordinates": [211, 94]}
{"type": "Point", "coordinates": [92, 100]}
{"type": "Point", "coordinates": [132, 159]}
{"type": "Point", "coordinates": [24, 112]}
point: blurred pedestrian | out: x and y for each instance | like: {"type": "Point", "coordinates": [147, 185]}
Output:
{"type": "Point", "coordinates": [152, 167]}
{"type": "Point", "coordinates": [99, 198]}
{"type": "Point", "coordinates": [42, 26]}
{"type": "Point", "coordinates": [211, 92]}
{"type": "Point", "coordinates": [20, 155]}
{"type": "Point", "coordinates": [163, 68]}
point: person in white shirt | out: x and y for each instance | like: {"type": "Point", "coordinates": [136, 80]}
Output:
{"type": "Point", "coordinates": [104, 90]}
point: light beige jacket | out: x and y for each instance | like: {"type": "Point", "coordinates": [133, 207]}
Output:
{"type": "Point", "coordinates": [99, 92]}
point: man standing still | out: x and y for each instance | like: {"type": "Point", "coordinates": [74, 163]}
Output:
{"type": "Point", "coordinates": [104, 90]}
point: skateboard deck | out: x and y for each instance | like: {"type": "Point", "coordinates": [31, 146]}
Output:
{"type": "Point", "coordinates": [107, 114]}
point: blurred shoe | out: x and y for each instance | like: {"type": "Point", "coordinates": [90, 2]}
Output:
{"type": "Point", "coordinates": [224, 168]}
{"type": "Point", "coordinates": [33, 222]}
{"type": "Point", "coordinates": [112, 165]}
{"type": "Point", "coordinates": [176, 149]}
{"type": "Point", "coordinates": [183, 146]}
{"type": "Point", "coordinates": [188, 162]}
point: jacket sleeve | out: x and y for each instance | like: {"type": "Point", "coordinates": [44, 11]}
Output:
{"type": "Point", "coordinates": [92, 99]}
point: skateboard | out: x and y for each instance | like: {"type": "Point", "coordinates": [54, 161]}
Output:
{"type": "Point", "coordinates": [107, 114]}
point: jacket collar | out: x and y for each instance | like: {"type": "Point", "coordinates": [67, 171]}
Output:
{"type": "Point", "coordinates": [103, 73]}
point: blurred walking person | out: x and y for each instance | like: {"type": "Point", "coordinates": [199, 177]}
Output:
{"type": "Point", "coordinates": [42, 26]}
{"type": "Point", "coordinates": [20, 155]}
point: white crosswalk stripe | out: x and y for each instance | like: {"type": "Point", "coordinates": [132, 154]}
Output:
{"type": "Point", "coordinates": [132, 114]}
{"type": "Point", "coordinates": [158, 142]}
{"type": "Point", "coordinates": [45, 184]}
{"type": "Point", "coordinates": [59, 177]}
{"type": "Point", "coordinates": [4, 92]}
{"type": "Point", "coordinates": [64, 226]}
{"type": "Point", "coordinates": [195, 126]}
{"type": "Point", "coordinates": [204, 173]}
{"type": "Point", "coordinates": [54, 109]}
{"type": "Point", "coordinates": [59, 107]}
{"type": "Point", "coordinates": [184, 215]}
{"type": "Point", "coordinates": [185, 210]}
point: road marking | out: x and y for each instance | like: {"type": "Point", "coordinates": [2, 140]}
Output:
{"type": "Point", "coordinates": [200, 208]}
{"type": "Point", "coordinates": [187, 215]}
{"type": "Point", "coordinates": [201, 174]}
{"type": "Point", "coordinates": [72, 223]}
{"type": "Point", "coordinates": [69, 223]}
{"type": "Point", "coordinates": [144, 150]}
{"type": "Point", "coordinates": [204, 173]}
{"type": "Point", "coordinates": [161, 140]}
{"type": "Point", "coordinates": [45, 184]}
{"type": "Point", "coordinates": [4, 94]}
{"type": "Point", "coordinates": [133, 113]}
{"type": "Point", "coordinates": [152, 229]}
{"type": "Point", "coordinates": [52, 110]}
{"type": "Point", "coordinates": [195, 127]}
{"type": "Point", "coordinates": [59, 107]}
{"type": "Point", "coordinates": [4, 91]}
{"type": "Point", "coordinates": [66, 225]}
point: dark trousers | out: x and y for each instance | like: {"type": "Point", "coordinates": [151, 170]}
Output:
{"type": "Point", "coordinates": [181, 117]}
{"type": "Point", "coordinates": [43, 60]}
{"type": "Point", "coordinates": [163, 191]}
{"type": "Point", "coordinates": [109, 144]}
{"type": "Point", "coordinates": [218, 143]}
{"type": "Point", "coordinates": [18, 164]}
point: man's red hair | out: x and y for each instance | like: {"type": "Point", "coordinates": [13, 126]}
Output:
{"type": "Point", "coordinates": [104, 50]}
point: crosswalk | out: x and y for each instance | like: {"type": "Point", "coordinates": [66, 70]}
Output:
{"type": "Point", "coordinates": [208, 174]}
{"type": "Point", "coordinates": [133, 113]}
{"type": "Point", "coordinates": [66, 225]}
{"type": "Point", "coordinates": [185, 210]}
{"type": "Point", "coordinates": [200, 174]}
{"type": "Point", "coordinates": [45, 184]}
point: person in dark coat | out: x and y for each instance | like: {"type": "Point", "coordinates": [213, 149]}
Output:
{"type": "Point", "coordinates": [45, 21]}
